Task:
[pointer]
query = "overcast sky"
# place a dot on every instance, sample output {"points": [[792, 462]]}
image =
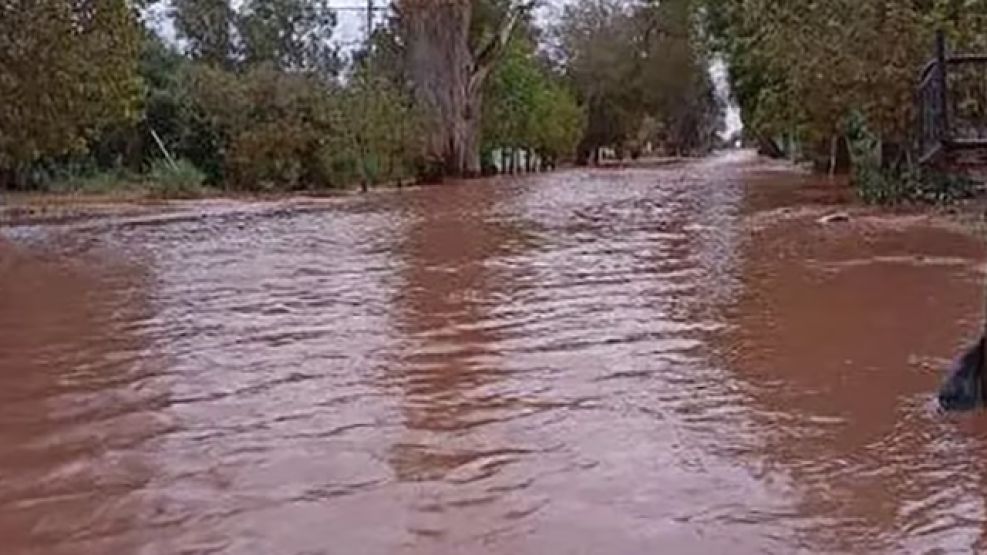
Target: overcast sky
{"points": [[352, 20], [350, 31]]}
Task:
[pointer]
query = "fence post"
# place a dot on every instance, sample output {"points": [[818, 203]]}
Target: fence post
{"points": [[943, 93]]}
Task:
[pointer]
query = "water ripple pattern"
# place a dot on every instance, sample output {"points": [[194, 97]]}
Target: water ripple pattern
{"points": [[535, 365]]}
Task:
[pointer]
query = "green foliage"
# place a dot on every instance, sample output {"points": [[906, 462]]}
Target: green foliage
{"points": [[180, 179], [881, 183], [250, 97], [595, 38], [917, 185], [269, 127], [289, 34], [561, 121], [163, 179], [801, 67], [68, 70], [874, 185], [277, 130], [206, 27], [384, 129], [526, 106], [88, 181], [632, 63]]}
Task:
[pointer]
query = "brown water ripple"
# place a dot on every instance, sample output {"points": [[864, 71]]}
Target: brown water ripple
{"points": [[580, 362]]}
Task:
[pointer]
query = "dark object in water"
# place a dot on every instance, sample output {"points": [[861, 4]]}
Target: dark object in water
{"points": [[964, 385]]}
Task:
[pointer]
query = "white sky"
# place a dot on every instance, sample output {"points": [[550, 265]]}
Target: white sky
{"points": [[350, 30], [718, 71], [352, 23]]}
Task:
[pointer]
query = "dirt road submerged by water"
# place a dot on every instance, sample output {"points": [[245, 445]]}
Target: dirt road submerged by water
{"points": [[676, 358]]}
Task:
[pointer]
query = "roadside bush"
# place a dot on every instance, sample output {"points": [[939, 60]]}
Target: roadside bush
{"points": [[181, 180], [878, 183], [275, 129], [916, 185], [99, 183], [383, 130], [289, 131], [84, 178], [940, 188], [911, 185]]}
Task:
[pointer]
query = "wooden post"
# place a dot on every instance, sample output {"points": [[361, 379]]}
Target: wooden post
{"points": [[943, 92], [983, 357], [164, 150], [832, 155]]}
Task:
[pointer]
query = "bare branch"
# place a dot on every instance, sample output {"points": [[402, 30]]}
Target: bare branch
{"points": [[489, 53]]}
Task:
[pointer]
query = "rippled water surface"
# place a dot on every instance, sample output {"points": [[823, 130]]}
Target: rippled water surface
{"points": [[624, 361]]}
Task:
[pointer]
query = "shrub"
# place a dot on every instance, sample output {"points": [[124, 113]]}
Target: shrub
{"points": [[902, 182], [74, 177], [179, 180]]}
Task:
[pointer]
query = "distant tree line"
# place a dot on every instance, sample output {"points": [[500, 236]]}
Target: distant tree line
{"points": [[641, 70], [256, 96]]}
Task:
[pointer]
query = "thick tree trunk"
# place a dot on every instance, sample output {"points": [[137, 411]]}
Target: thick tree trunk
{"points": [[582, 155], [448, 77], [439, 63], [468, 162], [6, 179]]}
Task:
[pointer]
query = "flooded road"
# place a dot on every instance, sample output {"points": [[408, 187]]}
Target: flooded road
{"points": [[675, 359]]}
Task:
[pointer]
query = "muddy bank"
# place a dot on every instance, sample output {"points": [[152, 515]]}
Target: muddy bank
{"points": [[55, 209], [23, 209]]}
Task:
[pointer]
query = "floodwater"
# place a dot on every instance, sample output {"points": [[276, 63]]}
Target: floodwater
{"points": [[674, 359]]}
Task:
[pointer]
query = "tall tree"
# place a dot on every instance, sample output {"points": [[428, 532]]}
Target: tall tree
{"points": [[595, 42], [448, 71], [206, 26], [67, 70], [290, 34], [635, 64], [672, 74]]}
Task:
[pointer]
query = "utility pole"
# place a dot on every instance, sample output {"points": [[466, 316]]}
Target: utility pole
{"points": [[364, 183], [370, 23]]}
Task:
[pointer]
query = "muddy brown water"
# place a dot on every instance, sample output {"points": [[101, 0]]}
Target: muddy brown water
{"points": [[674, 359]]}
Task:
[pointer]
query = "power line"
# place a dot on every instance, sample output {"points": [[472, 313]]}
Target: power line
{"points": [[370, 23], [358, 8]]}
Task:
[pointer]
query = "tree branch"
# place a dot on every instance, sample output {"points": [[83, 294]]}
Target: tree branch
{"points": [[489, 53]]}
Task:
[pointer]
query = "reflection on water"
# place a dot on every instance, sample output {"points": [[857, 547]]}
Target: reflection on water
{"points": [[75, 422], [840, 335], [588, 361]]}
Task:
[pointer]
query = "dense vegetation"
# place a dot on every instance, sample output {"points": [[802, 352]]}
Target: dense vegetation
{"points": [[642, 74], [813, 77], [255, 95]]}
